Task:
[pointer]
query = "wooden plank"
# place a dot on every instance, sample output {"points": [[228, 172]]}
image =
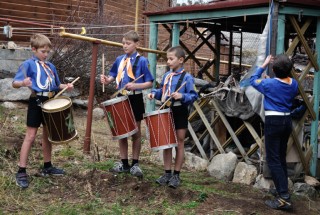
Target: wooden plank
{"points": [[229, 140], [207, 124], [304, 43], [253, 133], [295, 41], [196, 141], [300, 153], [304, 96], [231, 132]]}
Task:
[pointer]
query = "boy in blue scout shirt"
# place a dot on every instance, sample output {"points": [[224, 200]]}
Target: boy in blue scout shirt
{"points": [[279, 93], [42, 78], [179, 106], [125, 69]]}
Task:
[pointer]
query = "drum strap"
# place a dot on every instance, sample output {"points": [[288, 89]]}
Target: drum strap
{"points": [[178, 85], [134, 67]]}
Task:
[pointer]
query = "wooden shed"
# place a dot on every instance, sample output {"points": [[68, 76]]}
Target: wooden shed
{"points": [[293, 22]]}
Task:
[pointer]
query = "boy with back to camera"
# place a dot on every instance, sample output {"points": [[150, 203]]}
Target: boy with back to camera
{"points": [[125, 69], [42, 78], [179, 106], [279, 93]]}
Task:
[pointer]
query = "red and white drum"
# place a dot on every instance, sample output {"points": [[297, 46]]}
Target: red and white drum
{"points": [[58, 117], [161, 129], [120, 117]]}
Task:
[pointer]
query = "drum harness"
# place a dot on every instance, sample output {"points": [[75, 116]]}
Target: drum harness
{"points": [[134, 69], [177, 87]]}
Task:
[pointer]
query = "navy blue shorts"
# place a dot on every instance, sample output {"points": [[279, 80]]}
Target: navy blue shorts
{"points": [[34, 114], [137, 106], [180, 116]]}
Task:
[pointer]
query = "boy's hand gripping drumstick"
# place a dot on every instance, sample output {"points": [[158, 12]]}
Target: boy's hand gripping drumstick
{"points": [[102, 70], [116, 93], [164, 104], [64, 89]]}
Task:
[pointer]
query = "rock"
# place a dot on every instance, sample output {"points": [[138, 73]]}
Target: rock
{"points": [[222, 166], [9, 105], [263, 183], [303, 189], [311, 181], [194, 162], [244, 173], [8, 93], [98, 113]]}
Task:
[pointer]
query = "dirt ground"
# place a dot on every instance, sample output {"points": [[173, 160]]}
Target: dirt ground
{"points": [[88, 180]]}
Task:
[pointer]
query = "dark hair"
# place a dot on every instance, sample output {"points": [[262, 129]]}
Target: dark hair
{"points": [[282, 66], [178, 50], [131, 35]]}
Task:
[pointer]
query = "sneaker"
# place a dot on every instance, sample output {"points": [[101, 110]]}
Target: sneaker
{"points": [[52, 171], [136, 171], [174, 181], [22, 180], [164, 179], [118, 168], [279, 204]]}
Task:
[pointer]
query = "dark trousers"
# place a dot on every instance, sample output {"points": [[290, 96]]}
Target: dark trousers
{"points": [[277, 132]]}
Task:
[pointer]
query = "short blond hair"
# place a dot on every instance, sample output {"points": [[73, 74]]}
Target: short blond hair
{"points": [[40, 41], [132, 35]]}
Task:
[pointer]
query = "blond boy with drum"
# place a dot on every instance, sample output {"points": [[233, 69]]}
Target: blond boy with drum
{"points": [[42, 78]]}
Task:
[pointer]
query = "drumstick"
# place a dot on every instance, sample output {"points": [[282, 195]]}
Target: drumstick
{"points": [[171, 96], [102, 70], [116, 93], [64, 89]]}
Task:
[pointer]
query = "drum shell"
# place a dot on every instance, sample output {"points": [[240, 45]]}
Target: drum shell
{"points": [[59, 122], [120, 117], [161, 128]]}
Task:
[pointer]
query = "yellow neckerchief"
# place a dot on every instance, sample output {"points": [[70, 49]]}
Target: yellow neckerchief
{"points": [[166, 89]]}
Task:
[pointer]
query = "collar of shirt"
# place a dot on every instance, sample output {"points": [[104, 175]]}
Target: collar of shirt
{"points": [[133, 56], [178, 70]]}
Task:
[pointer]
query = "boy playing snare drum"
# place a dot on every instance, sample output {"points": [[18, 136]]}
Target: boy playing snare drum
{"points": [[125, 69], [171, 82], [42, 78]]}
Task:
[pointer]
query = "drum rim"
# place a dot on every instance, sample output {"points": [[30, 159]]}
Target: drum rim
{"points": [[155, 112], [168, 146], [114, 100], [63, 141], [57, 109], [130, 133]]}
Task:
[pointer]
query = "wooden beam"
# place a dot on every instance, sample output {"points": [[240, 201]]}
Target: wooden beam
{"points": [[196, 141]]}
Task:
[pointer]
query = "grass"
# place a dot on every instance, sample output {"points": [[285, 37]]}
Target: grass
{"points": [[88, 187]]}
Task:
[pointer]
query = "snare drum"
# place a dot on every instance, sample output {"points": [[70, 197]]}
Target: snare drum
{"points": [[58, 117], [161, 129], [120, 117]]}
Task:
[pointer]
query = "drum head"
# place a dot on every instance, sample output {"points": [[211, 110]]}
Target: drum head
{"points": [[57, 103], [114, 100]]}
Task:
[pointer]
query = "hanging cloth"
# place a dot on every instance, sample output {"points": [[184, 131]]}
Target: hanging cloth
{"points": [[166, 89]]}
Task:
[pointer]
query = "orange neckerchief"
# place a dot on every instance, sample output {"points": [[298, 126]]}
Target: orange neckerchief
{"points": [[47, 69], [285, 80], [167, 85], [124, 63]]}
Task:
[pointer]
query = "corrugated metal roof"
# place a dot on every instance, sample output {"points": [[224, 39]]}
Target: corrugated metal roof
{"points": [[232, 4]]}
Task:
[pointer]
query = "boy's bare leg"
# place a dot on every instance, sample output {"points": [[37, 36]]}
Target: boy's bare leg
{"points": [[181, 133], [46, 146], [26, 145], [167, 158], [123, 146], [136, 143]]}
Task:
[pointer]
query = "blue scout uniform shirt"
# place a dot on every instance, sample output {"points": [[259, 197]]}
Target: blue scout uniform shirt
{"points": [[278, 96], [142, 68], [39, 77], [189, 95]]}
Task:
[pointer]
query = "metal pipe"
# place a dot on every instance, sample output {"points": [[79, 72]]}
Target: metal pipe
{"points": [[110, 43], [87, 139]]}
